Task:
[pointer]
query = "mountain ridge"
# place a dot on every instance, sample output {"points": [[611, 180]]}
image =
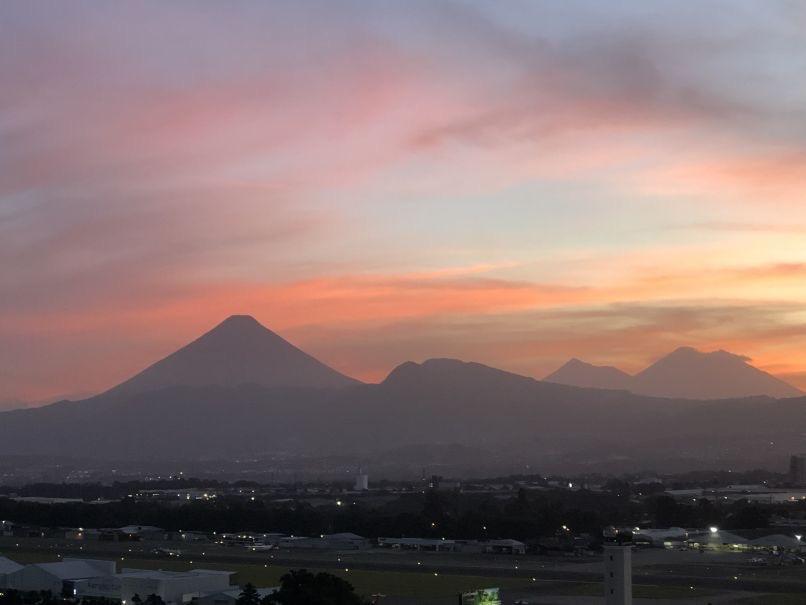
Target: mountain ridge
{"points": [[235, 410], [684, 373], [579, 373]]}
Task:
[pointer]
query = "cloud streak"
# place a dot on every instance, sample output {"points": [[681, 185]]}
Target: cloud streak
{"points": [[350, 168]]}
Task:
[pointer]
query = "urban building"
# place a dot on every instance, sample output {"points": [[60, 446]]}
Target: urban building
{"points": [[340, 541], [618, 573], [175, 587], [797, 469], [509, 547], [361, 482], [59, 577], [434, 544], [7, 566], [95, 578]]}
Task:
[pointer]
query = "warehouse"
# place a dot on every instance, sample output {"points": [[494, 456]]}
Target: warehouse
{"points": [[57, 577], [173, 587]]}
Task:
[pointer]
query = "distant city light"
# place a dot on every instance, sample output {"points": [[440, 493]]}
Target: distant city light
{"points": [[713, 529]]}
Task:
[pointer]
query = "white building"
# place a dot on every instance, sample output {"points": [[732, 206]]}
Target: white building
{"points": [[362, 482], [95, 578], [618, 574], [7, 566], [779, 542], [58, 576], [717, 539], [174, 587]]}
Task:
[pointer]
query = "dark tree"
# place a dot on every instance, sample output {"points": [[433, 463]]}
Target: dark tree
{"points": [[747, 517], [154, 599], [666, 512], [136, 600], [301, 587], [248, 596]]}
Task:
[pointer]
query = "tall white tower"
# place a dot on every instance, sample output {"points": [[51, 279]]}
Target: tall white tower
{"points": [[361, 482], [618, 573]]}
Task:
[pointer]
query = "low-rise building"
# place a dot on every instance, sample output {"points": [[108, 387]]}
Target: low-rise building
{"points": [[7, 566], [508, 546], [96, 578], [340, 541], [435, 544], [669, 536], [173, 587], [58, 577], [717, 539]]}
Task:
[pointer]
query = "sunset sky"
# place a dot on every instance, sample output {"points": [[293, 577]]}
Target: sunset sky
{"points": [[513, 183]]}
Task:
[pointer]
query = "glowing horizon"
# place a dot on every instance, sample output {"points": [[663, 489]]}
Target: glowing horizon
{"points": [[514, 184]]}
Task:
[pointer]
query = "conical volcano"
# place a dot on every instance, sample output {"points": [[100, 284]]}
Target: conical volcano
{"points": [[237, 351]]}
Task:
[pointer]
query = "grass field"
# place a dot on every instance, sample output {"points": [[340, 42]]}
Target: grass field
{"points": [[404, 584], [392, 583]]}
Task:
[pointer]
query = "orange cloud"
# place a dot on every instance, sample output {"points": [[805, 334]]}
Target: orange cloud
{"points": [[460, 311], [765, 177]]}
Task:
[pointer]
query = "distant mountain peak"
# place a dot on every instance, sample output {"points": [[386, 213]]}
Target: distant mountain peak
{"points": [[577, 362], [693, 374], [686, 373], [240, 320], [239, 350], [578, 373], [693, 353]]}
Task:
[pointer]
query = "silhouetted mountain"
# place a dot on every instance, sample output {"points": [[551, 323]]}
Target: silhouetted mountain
{"points": [[237, 351], [438, 402], [241, 390], [581, 374], [692, 374], [451, 375], [685, 373]]}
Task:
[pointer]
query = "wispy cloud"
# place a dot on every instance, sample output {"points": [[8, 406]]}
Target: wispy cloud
{"points": [[360, 167]]}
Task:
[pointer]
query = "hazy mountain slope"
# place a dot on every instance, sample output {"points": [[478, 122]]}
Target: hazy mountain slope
{"points": [[13, 404], [685, 373], [242, 390], [439, 401], [689, 373], [237, 351], [581, 374]]}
